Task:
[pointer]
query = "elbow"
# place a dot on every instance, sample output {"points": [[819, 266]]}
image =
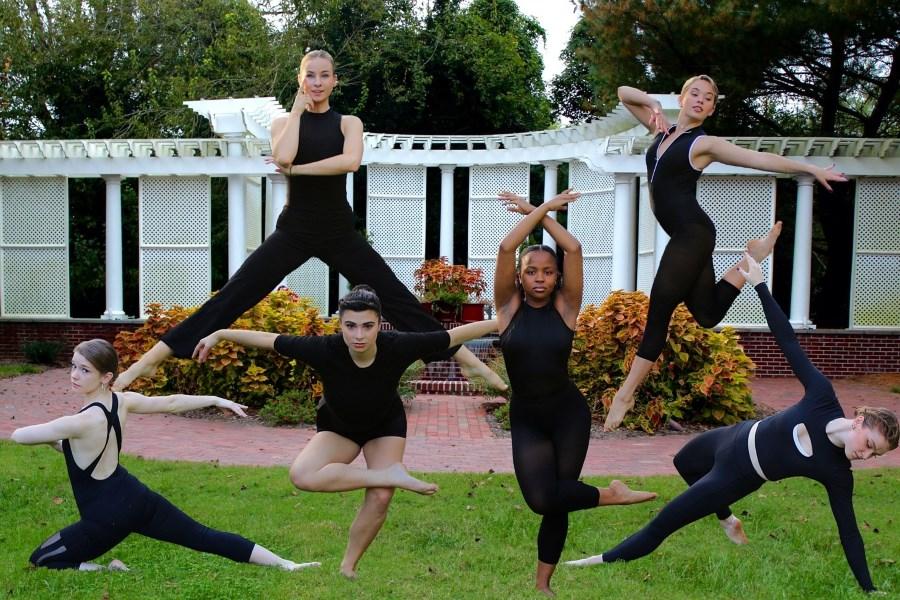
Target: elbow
{"points": [[574, 249], [354, 164], [621, 91]]}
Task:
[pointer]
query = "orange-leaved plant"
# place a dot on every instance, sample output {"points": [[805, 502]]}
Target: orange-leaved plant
{"points": [[439, 281]]}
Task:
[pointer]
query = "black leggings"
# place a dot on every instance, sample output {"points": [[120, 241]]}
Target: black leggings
{"points": [[549, 444], [686, 275], [148, 514], [716, 465], [282, 252]]}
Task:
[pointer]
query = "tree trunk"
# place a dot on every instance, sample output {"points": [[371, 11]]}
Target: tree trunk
{"points": [[832, 93]]}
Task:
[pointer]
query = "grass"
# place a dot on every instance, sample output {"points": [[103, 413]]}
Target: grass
{"points": [[16, 369], [475, 539]]}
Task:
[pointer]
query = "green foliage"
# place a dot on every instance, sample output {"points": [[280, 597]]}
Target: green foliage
{"points": [[42, 352], [501, 413], [248, 375], [290, 408], [16, 369], [701, 377], [406, 389]]}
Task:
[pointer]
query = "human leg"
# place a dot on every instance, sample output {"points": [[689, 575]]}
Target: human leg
{"points": [[73, 547], [380, 453]]}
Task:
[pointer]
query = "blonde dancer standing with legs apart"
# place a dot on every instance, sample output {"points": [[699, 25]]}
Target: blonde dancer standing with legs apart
{"points": [[675, 161]]}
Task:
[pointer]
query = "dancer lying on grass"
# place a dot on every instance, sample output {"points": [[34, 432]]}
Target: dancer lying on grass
{"points": [[675, 161], [112, 502], [810, 439], [537, 308], [360, 369]]}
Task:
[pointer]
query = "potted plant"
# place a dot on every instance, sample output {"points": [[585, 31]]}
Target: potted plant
{"points": [[445, 289]]}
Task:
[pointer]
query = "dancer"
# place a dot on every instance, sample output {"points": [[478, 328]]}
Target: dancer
{"points": [[810, 439], [315, 147], [112, 502], [360, 369], [537, 309], [675, 161]]}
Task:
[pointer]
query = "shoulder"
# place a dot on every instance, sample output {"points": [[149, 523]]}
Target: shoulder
{"points": [[351, 123]]}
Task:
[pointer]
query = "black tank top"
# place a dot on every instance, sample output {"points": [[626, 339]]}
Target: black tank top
{"points": [[673, 182], [319, 202], [536, 346]]}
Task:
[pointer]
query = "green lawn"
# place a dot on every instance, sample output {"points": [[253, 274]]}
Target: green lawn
{"points": [[16, 369], [474, 539]]}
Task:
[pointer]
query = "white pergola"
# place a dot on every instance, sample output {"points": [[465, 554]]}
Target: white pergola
{"points": [[622, 242]]}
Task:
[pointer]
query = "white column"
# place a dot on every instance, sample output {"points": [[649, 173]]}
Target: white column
{"points": [[343, 284], [446, 232], [800, 280], [624, 223], [237, 240], [114, 285], [551, 169]]}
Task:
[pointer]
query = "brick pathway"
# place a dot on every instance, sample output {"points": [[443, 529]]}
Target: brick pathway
{"points": [[446, 433]]}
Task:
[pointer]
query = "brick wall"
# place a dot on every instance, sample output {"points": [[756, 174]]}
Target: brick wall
{"points": [[836, 353], [70, 332]]}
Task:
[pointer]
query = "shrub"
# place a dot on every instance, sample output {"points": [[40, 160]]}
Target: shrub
{"points": [[247, 375], [42, 352], [290, 408], [407, 388], [701, 376]]}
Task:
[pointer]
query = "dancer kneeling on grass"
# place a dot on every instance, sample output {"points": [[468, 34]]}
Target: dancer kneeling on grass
{"points": [[112, 502], [675, 162], [537, 309], [360, 369], [810, 439]]}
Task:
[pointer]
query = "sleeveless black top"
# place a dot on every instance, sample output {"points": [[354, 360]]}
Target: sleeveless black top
{"points": [[319, 202], [673, 182], [536, 346]]}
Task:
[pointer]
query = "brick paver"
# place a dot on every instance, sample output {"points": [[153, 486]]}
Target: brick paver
{"points": [[446, 433]]}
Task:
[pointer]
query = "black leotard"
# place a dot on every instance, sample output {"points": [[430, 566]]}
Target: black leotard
{"points": [[717, 464], [118, 505], [362, 398], [685, 272], [550, 422]]}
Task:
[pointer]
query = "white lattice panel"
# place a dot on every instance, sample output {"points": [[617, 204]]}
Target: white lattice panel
{"points": [[253, 218], [395, 180], [875, 292], [597, 279], [487, 266], [591, 220], [403, 268], [646, 242], [746, 309], [396, 226], [489, 223], [486, 182], [310, 280], [584, 179], [174, 233], [742, 208], [874, 295], [34, 253]]}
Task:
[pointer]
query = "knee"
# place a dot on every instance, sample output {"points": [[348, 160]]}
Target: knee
{"points": [[379, 499], [705, 319], [541, 503], [304, 479]]}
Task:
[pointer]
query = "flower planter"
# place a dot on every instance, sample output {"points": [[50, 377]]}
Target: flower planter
{"points": [[442, 311], [471, 312]]}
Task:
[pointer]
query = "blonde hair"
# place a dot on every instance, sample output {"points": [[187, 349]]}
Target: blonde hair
{"points": [[707, 79], [883, 420], [316, 54]]}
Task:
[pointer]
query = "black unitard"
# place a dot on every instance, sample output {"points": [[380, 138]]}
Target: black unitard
{"points": [[362, 403], [717, 464], [114, 507], [550, 422], [685, 271], [317, 222]]}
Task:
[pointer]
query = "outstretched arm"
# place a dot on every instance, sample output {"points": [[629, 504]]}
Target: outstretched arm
{"points": [[471, 331], [176, 403], [51, 432], [644, 108], [781, 328], [244, 337], [841, 500]]}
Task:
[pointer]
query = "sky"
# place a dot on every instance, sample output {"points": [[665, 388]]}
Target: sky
{"points": [[557, 17]]}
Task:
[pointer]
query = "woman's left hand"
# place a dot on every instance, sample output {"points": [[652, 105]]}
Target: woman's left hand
{"points": [[561, 200], [283, 168], [225, 405], [515, 203]]}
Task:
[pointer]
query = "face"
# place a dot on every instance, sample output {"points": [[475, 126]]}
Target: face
{"points": [[84, 377], [864, 442], [317, 78], [359, 329], [538, 275], [699, 100]]}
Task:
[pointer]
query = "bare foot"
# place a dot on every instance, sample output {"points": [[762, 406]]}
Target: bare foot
{"points": [[292, 566], [585, 562], [619, 493], [761, 248], [734, 529], [621, 404], [545, 590], [348, 572], [479, 370], [399, 477], [117, 565]]}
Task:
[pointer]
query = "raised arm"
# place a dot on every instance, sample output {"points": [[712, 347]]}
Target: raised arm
{"points": [[286, 131], [708, 149], [51, 432], [176, 403], [644, 108], [347, 161], [471, 331], [244, 337], [841, 499], [781, 328]]}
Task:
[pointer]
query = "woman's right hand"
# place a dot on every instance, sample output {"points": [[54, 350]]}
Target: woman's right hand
{"points": [[658, 121], [302, 101], [204, 346], [753, 274], [561, 200]]}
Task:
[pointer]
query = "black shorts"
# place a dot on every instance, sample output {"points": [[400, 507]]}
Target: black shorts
{"points": [[393, 424]]}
